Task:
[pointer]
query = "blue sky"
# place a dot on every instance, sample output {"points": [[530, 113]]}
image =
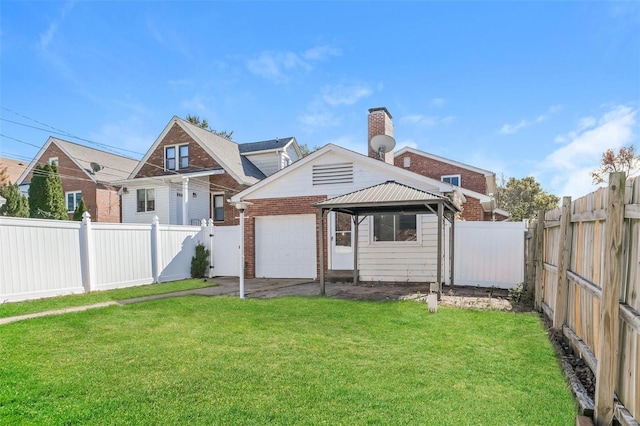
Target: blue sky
{"points": [[519, 88]]}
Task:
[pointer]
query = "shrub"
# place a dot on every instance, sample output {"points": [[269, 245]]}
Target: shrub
{"points": [[200, 262]]}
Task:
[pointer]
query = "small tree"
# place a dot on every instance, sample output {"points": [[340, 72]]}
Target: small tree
{"points": [[625, 161], [305, 150], [200, 262], [523, 198], [80, 209], [46, 198], [194, 119], [16, 205]]}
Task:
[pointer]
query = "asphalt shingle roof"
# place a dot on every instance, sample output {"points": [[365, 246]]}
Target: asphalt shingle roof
{"points": [[264, 145]]}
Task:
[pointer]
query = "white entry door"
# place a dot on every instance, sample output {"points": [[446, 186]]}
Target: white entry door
{"points": [[341, 236], [286, 246]]}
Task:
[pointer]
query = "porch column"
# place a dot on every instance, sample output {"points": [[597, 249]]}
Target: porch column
{"points": [[185, 201], [452, 251]]}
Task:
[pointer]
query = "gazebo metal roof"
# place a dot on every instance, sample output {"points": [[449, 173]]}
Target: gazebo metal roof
{"points": [[389, 197]]}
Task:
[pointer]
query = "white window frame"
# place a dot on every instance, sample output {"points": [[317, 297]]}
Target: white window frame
{"points": [[54, 161], [76, 201], [213, 206], [146, 200], [177, 159], [443, 177], [417, 242], [406, 161]]}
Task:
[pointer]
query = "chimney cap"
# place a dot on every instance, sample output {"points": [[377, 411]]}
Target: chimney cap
{"points": [[380, 109]]}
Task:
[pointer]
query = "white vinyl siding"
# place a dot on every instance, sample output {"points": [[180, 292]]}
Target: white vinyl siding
{"points": [[266, 162], [130, 209], [394, 262]]}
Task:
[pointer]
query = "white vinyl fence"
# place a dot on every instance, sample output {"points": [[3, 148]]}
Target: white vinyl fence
{"points": [[489, 254], [43, 258]]}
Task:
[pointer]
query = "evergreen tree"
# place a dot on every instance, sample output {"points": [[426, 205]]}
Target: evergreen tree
{"points": [[17, 204], [46, 198], [4, 176], [194, 119], [80, 209]]}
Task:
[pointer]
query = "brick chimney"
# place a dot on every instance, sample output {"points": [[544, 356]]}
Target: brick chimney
{"points": [[379, 123]]}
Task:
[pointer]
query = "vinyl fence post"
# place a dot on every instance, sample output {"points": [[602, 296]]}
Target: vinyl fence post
{"points": [[209, 233], [156, 257], [606, 371], [88, 255]]}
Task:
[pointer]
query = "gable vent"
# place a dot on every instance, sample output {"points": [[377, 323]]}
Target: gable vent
{"points": [[329, 174]]}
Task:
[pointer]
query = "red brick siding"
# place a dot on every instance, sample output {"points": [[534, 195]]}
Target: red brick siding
{"points": [[472, 210], [436, 169], [274, 207], [226, 185], [198, 157], [108, 204], [75, 179]]}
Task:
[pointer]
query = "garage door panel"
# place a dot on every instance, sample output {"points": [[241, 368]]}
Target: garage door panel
{"points": [[286, 246]]}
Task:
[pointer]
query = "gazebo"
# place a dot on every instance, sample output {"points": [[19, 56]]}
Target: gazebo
{"points": [[389, 197]]}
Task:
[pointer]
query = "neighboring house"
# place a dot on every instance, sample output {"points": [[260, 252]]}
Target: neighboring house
{"points": [[478, 185], [86, 173], [14, 170], [189, 173]]}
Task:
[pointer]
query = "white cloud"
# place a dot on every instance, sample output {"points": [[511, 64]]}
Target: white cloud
{"points": [[345, 95], [194, 104], [407, 143], [356, 144], [278, 65], [438, 102], [321, 52], [275, 65], [426, 120], [509, 129], [52, 29], [568, 167], [318, 119]]}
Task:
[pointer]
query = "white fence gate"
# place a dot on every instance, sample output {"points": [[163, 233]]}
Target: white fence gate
{"points": [[489, 254], [43, 258]]}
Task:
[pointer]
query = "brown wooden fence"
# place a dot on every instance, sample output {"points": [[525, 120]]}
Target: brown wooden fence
{"points": [[584, 266]]}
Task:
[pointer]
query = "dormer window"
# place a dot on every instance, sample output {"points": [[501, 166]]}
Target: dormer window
{"points": [[176, 157]]}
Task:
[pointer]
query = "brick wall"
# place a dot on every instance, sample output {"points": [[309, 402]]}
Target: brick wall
{"points": [[379, 123], [226, 185], [108, 204], [436, 169], [274, 207], [472, 210], [73, 179], [198, 157]]}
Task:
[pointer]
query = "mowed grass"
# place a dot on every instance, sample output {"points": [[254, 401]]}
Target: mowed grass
{"points": [[40, 305], [200, 360]]}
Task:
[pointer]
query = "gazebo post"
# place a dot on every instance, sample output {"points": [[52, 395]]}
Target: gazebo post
{"points": [[321, 241], [355, 249], [451, 248], [439, 265]]}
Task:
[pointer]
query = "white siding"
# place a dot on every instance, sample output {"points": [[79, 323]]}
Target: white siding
{"points": [[199, 206], [299, 182], [267, 162], [399, 262], [129, 205]]}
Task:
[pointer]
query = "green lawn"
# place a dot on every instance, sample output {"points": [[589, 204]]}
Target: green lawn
{"points": [[221, 360], [40, 305]]}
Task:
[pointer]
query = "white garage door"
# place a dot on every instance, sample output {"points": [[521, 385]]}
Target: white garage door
{"points": [[286, 246]]}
